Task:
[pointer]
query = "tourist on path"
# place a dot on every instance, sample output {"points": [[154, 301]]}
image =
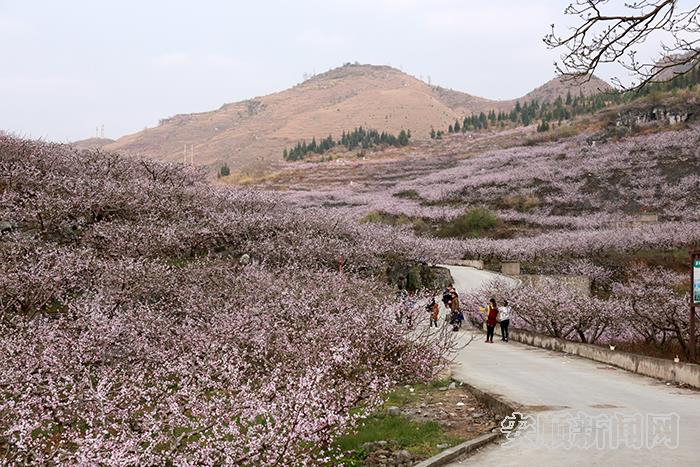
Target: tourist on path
{"points": [[456, 316], [447, 297], [434, 311], [504, 318], [491, 320], [454, 303]]}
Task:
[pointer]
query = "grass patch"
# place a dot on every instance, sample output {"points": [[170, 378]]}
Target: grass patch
{"points": [[381, 217], [404, 395], [408, 194], [418, 437], [556, 134], [520, 203], [473, 223]]}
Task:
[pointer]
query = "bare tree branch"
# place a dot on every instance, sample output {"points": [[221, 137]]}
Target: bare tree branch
{"points": [[603, 38]]}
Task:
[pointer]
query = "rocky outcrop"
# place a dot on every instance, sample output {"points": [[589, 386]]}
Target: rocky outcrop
{"points": [[413, 275], [654, 115], [630, 119]]}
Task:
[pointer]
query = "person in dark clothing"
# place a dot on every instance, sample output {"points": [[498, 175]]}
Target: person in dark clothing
{"points": [[456, 315], [447, 297], [491, 320], [434, 311]]}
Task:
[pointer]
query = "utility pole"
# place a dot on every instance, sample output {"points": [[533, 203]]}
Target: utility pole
{"points": [[102, 131], [694, 300], [184, 153], [192, 154]]}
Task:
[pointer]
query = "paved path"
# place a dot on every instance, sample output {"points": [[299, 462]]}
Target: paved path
{"points": [[584, 401]]}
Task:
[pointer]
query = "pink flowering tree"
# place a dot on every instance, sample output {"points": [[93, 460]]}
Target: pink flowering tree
{"points": [[131, 334], [550, 307], [655, 302]]}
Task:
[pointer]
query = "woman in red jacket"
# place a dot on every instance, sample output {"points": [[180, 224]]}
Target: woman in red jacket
{"points": [[491, 320]]}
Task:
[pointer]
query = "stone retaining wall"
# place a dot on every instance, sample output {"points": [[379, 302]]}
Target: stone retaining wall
{"points": [[667, 370], [470, 263], [579, 284]]}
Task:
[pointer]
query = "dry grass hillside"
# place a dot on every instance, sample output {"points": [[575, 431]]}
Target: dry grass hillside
{"points": [[253, 133], [560, 86]]}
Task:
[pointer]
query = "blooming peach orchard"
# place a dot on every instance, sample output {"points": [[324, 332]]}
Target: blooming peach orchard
{"points": [[130, 334], [645, 308], [577, 198], [574, 204]]}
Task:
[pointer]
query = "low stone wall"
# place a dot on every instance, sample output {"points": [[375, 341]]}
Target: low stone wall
{"points": [[580, 284], [637, 221], [470, 263], [510, 268], [667, 370]]}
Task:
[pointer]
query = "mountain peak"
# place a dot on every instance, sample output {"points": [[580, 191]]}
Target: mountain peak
{"points": [[255, 131], [560, 85], [354, 70]]}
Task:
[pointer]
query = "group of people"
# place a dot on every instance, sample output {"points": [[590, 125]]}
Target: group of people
{"points": [[494, 314], [450, 298], [497, 315]]}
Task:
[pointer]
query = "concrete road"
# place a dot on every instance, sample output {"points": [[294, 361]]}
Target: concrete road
{"points": [[468, 279], [583, 413]]}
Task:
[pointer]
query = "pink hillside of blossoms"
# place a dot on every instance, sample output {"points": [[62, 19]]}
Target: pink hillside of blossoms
{"points": [[131, 335], [577, 199], [576, 208], [555, 184]]}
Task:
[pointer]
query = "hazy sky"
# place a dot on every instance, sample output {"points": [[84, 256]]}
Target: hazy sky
{"points": [[68, 66]]}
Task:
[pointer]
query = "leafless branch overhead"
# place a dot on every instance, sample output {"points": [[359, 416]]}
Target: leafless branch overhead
{"points": [[603, 37]]}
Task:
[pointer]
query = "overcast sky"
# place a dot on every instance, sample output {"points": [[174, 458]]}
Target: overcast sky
{"points": [[68, 66]]}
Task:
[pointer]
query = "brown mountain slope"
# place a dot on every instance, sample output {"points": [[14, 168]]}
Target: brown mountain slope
{"points": [[560, 86], [254, 132]]}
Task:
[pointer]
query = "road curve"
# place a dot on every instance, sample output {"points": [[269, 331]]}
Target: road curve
{"points": [[585, 413]]}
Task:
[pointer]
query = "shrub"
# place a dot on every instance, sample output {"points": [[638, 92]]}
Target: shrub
{"points": [[473, 223]]}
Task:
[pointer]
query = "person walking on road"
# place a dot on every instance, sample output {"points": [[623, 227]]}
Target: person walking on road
{"points": [[456, 316], [447, 297], [434, 311], [454, 303], [504, 318], [491, 320]]}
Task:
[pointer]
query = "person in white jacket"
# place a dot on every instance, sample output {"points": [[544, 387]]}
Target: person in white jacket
{"points": [[504, 318]]}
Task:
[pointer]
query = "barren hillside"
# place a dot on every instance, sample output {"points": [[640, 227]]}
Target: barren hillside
{"points": [[560, 86], [254, 132]]}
